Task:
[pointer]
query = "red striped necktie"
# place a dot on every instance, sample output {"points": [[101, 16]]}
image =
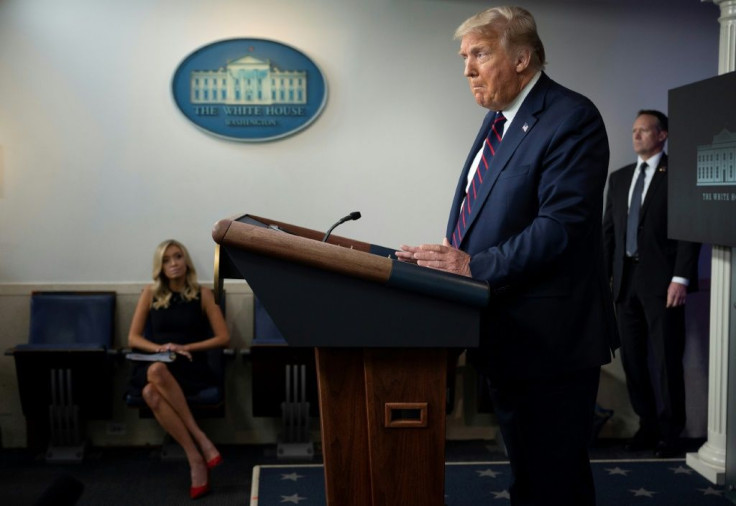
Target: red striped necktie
{"points": [[489, 149]]}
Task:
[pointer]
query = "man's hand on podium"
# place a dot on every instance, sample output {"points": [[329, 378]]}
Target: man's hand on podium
{"points": [[437, 256]]}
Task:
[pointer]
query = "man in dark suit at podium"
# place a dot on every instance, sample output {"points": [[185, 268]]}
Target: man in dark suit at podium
{"points": [[651, 277], [526, 218]]}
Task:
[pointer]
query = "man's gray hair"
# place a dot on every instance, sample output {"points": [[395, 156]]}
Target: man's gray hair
{"points": [[514, 26]]}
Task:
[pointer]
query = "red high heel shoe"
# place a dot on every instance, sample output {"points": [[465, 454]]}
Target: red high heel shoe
{"points": [[214, 462], [197, 492]]}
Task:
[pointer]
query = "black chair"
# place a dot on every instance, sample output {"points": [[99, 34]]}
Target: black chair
{"points": [[65, 370], [278, 367]]}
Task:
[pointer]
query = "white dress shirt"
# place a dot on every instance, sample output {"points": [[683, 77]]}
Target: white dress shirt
{"points": [[652, 164]]}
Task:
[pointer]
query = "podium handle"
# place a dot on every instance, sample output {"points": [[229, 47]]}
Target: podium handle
{"points": [[405, 415]]}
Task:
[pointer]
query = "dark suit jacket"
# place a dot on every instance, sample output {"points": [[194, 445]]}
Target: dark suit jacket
{"points": [[535, 236], [660, 257]]}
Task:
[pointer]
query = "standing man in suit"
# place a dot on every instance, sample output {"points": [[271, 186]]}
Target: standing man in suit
{"points": [[526, 219], [651, 277]]}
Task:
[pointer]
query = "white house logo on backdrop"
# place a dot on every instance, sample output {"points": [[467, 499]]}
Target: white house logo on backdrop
{"points": [[250, 90], [717, 161]]}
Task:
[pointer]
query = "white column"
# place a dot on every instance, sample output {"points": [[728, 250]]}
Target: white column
{"points": [[710, 460], [727, 45]]}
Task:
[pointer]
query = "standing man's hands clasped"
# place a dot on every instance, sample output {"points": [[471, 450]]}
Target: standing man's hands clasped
{"points": [[437, 256]]}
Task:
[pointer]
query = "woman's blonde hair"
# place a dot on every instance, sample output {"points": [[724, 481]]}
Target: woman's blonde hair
{"points": [[161, 290]]}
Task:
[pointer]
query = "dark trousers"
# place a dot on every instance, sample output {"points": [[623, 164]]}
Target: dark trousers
{"points": [[652, 347], [546, 425]]}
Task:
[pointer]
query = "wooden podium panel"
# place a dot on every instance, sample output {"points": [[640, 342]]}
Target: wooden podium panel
{"points": [[383, 425], [407, 450], [343, 420]]}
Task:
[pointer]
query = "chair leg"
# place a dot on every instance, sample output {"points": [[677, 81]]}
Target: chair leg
{"points": [[65, 436], [294, 441]]}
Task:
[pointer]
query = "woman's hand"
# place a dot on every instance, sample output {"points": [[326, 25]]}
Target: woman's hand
{"points": [[184, 353], [176, 348]]}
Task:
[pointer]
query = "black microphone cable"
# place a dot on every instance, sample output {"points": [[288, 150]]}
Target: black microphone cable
{"points": [[355, 215]]}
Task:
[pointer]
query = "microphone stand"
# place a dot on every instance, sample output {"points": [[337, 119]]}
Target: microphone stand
{"points": [[355, 215]]}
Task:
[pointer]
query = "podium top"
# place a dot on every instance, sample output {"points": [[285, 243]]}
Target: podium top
{"points": [[346, 257]]}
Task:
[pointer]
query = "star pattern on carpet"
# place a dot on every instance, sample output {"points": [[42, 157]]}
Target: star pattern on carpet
{"points": [[711, 491], [503, 494], [642, 492], [681, 470], [294, 498], [618, 482]]}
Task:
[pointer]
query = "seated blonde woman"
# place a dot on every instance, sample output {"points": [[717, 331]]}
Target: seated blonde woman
{"points": [[184, 319]]}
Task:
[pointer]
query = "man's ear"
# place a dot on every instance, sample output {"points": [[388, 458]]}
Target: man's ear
{"points": [[523, 58]]}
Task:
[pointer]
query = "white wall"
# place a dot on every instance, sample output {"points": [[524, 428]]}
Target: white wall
{"points": [[97, 165]]}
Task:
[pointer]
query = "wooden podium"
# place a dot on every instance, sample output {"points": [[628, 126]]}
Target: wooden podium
{"points": [[381, 329]]}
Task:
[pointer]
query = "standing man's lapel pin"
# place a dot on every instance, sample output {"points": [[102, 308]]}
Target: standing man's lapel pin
{"points": [[525, 127]]}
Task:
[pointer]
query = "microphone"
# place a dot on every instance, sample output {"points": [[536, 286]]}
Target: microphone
{"points": [[355, 215]]}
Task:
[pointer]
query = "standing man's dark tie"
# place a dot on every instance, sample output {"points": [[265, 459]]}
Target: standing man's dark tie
{"points": [[489, 150], [632, 224]]}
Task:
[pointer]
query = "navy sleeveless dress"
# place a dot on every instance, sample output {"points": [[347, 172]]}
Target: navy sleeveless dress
{"points": [[183, 322]]}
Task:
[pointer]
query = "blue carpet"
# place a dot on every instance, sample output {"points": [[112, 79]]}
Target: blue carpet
{"points": [[618, 483]]}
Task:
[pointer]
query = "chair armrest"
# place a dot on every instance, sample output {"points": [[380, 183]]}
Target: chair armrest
{"points": [[53, 347], [119, 354]]}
